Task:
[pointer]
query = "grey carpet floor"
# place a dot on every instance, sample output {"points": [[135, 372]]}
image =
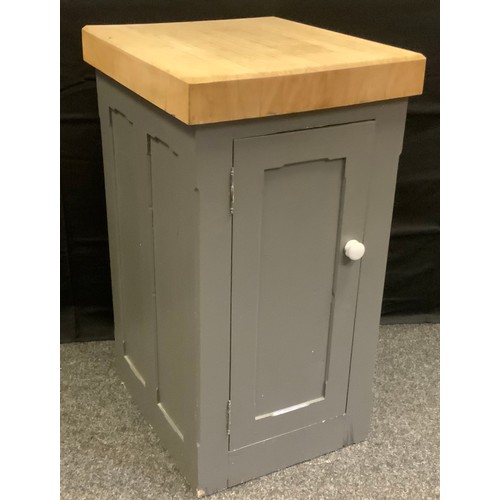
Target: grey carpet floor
{"points": [[109, 452]]}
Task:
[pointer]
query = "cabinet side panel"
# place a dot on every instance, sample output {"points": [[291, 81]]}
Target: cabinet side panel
{"points": [[161, 149], [130, 241], [135, 247], [174, 244], [391, 117]]}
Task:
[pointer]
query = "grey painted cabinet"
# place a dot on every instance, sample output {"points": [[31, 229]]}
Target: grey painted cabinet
{"points": [[250, 168], [244, 333]]}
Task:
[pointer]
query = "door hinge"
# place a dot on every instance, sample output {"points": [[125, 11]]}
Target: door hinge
{"points": [[228, 417], [231, 191]]}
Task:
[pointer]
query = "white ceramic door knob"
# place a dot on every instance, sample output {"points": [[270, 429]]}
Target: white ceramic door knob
{"points": [[354, 249]]}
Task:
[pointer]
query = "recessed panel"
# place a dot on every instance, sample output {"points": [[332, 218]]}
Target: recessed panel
{"points": [[173, 264], [135, 234], [300, 216]]}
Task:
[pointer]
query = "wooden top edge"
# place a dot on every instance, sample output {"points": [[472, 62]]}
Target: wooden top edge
{"points": [[201, 74]]}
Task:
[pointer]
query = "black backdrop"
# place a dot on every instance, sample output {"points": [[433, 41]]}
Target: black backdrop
{"points": [[412, 282]]}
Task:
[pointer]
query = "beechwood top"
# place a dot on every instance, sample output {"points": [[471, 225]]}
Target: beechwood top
{"points": [[214, 71]]}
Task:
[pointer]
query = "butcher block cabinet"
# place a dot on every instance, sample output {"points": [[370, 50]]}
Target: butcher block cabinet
{"points": [[250, 168]]}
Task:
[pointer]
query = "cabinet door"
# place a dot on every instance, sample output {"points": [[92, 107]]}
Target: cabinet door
{"points": [[299, 197]]}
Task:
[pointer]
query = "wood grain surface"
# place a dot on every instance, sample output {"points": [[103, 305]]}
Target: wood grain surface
{"points": [[222, 70]]}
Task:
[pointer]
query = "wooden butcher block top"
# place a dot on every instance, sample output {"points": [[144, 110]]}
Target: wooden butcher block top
{"points": [[213, 71]]}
